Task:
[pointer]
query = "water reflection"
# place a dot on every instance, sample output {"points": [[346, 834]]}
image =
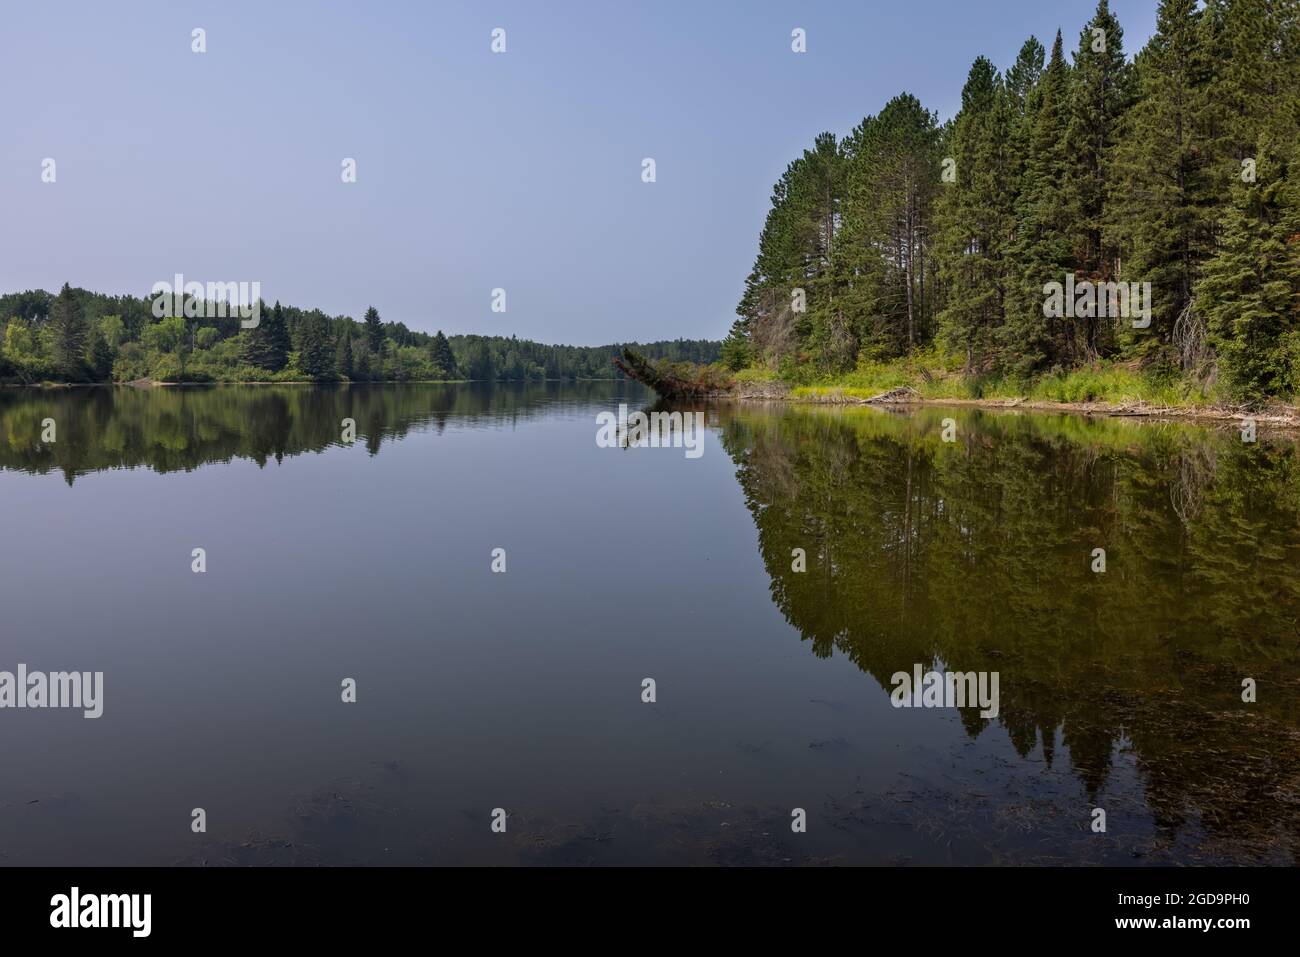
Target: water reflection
{"points": [[1120, 689], [170, 429], [977, 555]]}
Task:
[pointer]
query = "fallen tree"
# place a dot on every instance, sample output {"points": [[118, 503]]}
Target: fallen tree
{"points": [[904, 393], [673, 379]]}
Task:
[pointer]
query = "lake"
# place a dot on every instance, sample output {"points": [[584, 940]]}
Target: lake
{"points": [[325, 560]]}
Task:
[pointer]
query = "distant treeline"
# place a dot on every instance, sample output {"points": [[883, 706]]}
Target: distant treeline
{"points": [[83, 336], [1179, 168]]}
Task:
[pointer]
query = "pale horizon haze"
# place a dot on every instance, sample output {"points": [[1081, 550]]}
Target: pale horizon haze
{"points": [[475, 170]]}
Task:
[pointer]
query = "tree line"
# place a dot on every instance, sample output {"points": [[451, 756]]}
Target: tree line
{"points": [[1179, 167], [83, 336]]}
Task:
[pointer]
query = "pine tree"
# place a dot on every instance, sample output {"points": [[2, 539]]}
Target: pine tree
{"points": [[1255, 87], [975, 215], [1022, 90], [374, 331], [826, 330], [1105, 171], [480, 362], [1102, 94], [1045, 220], [1250, 291], [768, 305], [1023, 93], [1022, 77], [441, 357], [278, 340], [892, 170], [747, 309], [68, 335], [254, 351], [737, 352], [343, 354], [266, 345], [99, 355], [316, 351], [790, 298], [1163, 194]]}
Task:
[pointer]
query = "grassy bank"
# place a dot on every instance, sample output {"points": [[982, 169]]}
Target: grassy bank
{"points": [[932, 377]]}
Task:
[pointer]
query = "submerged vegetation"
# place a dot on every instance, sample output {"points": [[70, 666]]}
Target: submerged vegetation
{"points": [[917, 252]]}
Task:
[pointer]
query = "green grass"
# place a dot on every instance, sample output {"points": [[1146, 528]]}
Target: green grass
{"points": [[935, 376], [754, 375], [1120, 384]]}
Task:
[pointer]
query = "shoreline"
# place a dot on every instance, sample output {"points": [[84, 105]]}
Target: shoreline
{"points": [[685, 384], [1278, 416]]}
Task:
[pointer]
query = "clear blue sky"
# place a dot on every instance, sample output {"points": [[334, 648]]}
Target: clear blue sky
{"points": [[475, 170]]}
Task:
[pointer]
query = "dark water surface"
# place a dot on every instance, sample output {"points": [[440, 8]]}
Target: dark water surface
{"points": [[1119, 691]]}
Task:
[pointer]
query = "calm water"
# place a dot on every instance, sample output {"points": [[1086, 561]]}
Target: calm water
{"points": [[522, 690]]}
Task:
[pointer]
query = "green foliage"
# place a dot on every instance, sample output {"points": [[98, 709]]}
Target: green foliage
{"points": [[22, 353], [315, 349], [1103, 90], [167, 335], [67, 336], [207, 337], [343, 356], [736, 350], [1250, 290], [267, 345], [934, 374], [113, 331], [99, 354], [374, 331], [130, 363], [1045, 214], [907, 234], [892, 168], [442, 358], [119, 338], [975, 211]]}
